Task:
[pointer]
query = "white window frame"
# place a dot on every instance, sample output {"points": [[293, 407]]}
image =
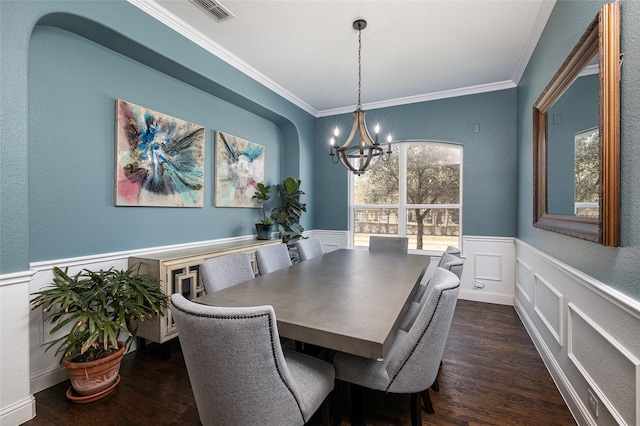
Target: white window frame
{"points": [[402, 207]]}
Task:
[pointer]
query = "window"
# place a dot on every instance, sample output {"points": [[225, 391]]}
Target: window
{"points": [[417, 194], [587, 173]]}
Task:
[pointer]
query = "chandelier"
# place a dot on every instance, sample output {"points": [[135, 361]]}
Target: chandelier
{"points": [[366, 152]]}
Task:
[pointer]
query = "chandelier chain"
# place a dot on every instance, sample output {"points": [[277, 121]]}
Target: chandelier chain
{"points": [[359, 66]]}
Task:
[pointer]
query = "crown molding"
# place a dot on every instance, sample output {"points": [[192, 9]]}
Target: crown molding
{"points": [[546, 7], [463, 91], [158, 12]]}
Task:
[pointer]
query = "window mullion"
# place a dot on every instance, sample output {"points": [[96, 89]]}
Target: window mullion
{"points": [[402, 192]]}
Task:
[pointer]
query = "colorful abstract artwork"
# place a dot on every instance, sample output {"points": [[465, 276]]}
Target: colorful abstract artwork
{"points": [[159, 159], [239, 168]]}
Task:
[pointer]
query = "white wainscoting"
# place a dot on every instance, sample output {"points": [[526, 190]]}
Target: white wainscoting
{"points": [[331, 240], [17, 404], [587, 334], [489, 261]]}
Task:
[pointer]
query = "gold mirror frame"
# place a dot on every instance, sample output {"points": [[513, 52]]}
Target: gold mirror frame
{"points": [[603, 37]]}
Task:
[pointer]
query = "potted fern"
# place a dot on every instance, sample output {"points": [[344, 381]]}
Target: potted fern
{"points": [[92, 310], [265, 226]]}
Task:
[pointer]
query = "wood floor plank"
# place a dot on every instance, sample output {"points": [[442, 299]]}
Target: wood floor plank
{"points": [[491, 375]]}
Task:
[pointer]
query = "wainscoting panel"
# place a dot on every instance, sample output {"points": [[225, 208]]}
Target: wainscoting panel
{"points": [[488, 266], [524, 279], [489, 273], [331, 240], [598, 368], [615, 385], [548, 305], [17, 404]]}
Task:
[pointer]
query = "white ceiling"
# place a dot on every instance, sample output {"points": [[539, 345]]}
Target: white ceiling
{"points": [[411, 50]]}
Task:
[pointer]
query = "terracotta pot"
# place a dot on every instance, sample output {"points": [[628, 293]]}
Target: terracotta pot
{"points": [[92, 377]]}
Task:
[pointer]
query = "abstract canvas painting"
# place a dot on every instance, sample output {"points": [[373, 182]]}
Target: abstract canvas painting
{"points": [[239, 168], [159, 159]]}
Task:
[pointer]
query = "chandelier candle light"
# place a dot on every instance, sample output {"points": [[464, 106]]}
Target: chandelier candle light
{"points": [[366, 148]]}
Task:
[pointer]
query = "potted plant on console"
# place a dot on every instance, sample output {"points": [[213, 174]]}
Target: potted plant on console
{"points": [[92, 310], [287, 215], [265, 226]]}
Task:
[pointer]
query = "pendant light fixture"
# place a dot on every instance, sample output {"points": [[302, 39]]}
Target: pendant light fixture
{"points": [[366, 152]]}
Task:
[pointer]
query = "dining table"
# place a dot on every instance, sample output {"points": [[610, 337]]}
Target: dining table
{"points": [[350, 300]]}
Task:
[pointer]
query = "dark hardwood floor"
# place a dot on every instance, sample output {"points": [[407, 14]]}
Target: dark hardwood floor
{"points": [[491, 375]]}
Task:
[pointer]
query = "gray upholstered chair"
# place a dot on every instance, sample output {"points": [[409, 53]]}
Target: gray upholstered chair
{"points": [[450, 255], [453, 264], [238, 371], [309, 248], [452, 250], [412, 363], [388, 244], [224, 271], [272, 258]]}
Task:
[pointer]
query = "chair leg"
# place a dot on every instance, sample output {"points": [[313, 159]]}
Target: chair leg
{"points": [[426, 400], [337, 402], [325, 411], [358, 411], [435, 386], [416, 410]]}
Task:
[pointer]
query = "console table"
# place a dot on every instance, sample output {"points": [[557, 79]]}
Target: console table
{"points": [[178, 272]]}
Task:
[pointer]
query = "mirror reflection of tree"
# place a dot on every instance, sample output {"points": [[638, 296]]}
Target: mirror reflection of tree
{"points": [[587, 173], [432, 201]]}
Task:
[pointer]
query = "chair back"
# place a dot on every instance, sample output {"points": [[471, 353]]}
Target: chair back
{"points": [[224, 271], [388, 244], [236, 366], [309, 248], [452, 250], [272, 258], [414, 358], [452, 263]]}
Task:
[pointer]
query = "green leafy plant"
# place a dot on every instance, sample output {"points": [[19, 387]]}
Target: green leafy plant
{"points": [[288, 214], [262, 196], [98, 306]]}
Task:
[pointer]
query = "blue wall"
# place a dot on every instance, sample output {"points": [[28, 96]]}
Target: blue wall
{"points": [[617, 267], [73, 84], [489, 163], [63, 65]]}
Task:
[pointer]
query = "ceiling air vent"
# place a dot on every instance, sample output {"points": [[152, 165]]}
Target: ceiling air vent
{"points": [[217, 11]]}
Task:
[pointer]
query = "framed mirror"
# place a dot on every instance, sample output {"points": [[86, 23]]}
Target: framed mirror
{"points": [[576, 137]]}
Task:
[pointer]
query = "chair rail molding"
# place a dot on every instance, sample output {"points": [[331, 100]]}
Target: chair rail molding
{"points": [[587, 335]]}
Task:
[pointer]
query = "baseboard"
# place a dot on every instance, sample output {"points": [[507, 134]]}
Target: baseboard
{"points": [[19, 412], [486, 297], [43, 379]]}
